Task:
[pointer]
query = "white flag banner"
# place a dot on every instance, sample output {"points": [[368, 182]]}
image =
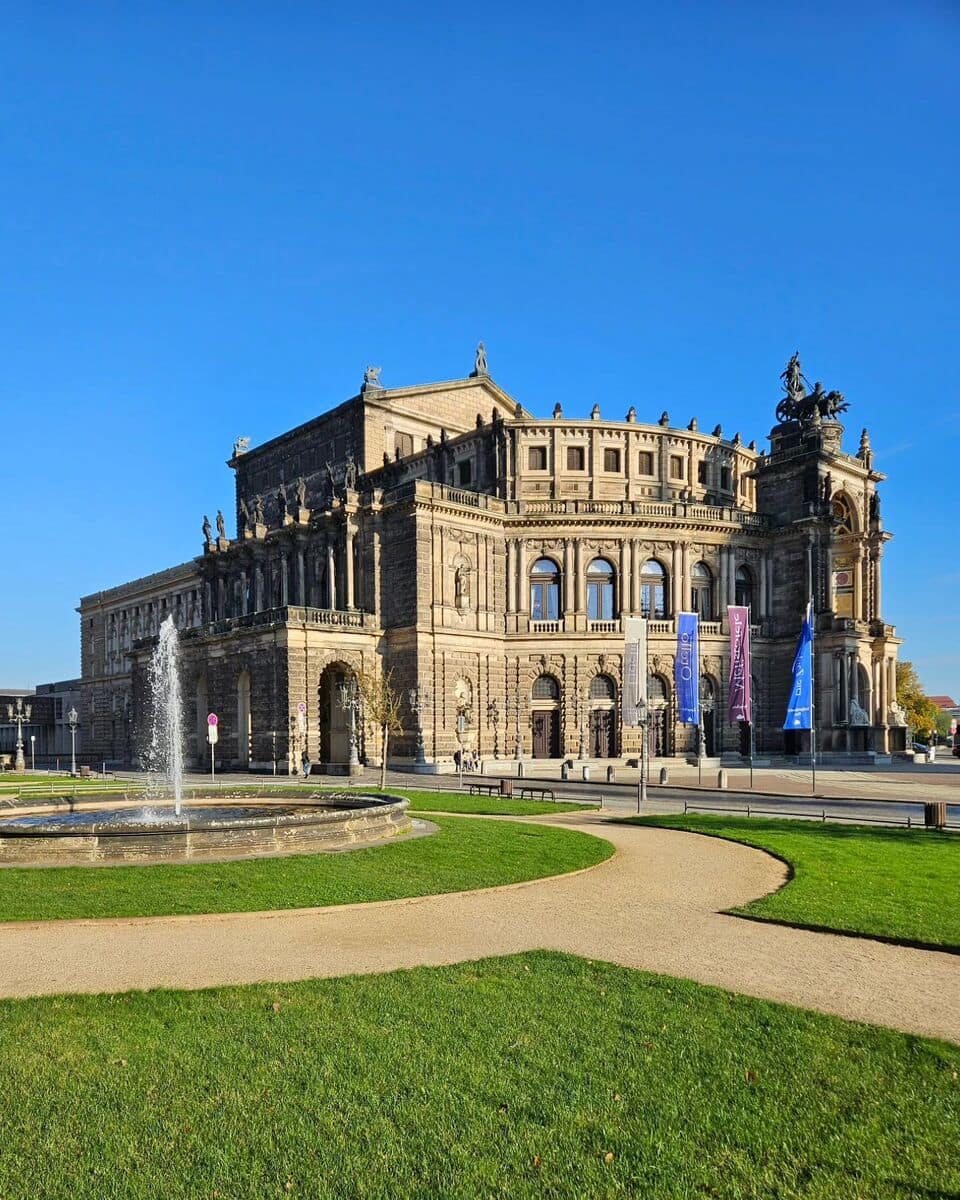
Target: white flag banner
{"points": [[634, 667]]}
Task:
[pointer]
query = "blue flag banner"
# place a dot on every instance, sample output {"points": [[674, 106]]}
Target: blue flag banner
{"points": [[688, 668], [798, 706]]}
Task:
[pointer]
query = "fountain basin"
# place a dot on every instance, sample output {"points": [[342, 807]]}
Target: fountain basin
{"points": [[216, 830]]}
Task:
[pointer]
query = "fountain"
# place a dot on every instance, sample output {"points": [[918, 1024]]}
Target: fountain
{"points": [[239, 824], [166, 728]]}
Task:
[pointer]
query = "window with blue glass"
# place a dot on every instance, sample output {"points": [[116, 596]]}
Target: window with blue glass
{"points": [[545, 590], [653, 590], [600, 591]]}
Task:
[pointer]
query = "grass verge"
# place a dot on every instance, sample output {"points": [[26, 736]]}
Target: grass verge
{"points": [[529, 1076], [502, 806], [462, 855], [897, 884]]}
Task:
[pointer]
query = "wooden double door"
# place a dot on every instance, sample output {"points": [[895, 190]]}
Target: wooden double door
{"points": [[603, 733], [546, 733]]}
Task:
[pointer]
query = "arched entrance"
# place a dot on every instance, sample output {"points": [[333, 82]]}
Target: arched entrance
{"points": [[545, 717], [337, 724], [603, 718], [660, 725], [708, 715]]}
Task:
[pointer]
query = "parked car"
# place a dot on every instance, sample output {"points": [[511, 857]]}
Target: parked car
{"points": [[919, 748]]}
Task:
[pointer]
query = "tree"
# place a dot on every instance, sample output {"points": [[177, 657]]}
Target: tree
{"points": [[381, 708], [921, 712]]}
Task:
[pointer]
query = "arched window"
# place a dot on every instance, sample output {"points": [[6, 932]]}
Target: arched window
{"points": [[653, 590], [545, 590], [744, 587], [701, 591], [602, 687], [843, 514], [600, 591], [545, 687]]}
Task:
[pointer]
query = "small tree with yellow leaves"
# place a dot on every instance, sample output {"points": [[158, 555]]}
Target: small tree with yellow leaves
{"points": [[381, 709]]}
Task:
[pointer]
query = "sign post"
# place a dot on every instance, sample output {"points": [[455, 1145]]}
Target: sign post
{"points": [[212, 735], [634, 693]]}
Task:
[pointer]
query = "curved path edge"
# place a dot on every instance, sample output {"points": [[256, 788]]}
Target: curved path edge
{"points": [[657, 905]]}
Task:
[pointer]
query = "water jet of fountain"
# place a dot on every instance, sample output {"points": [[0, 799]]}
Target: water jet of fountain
{"points": [[166, 731]]}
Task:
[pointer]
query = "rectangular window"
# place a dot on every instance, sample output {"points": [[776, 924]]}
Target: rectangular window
{"points": [[611, 461], [676, 466], [576, 458], [402, 444], [537, 458], [464, 472], [702, 472], [645, 462], [725, 478]]}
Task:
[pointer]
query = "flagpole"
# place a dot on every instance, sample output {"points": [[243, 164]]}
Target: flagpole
{"points": [[750, 643]]}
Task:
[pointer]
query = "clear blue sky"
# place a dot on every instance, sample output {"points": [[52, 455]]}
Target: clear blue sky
{"points": [[214, 216]]}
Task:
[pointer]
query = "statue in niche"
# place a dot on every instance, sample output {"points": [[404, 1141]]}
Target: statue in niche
{"points": [[245, 514], [301, 492], [898, 714], [350, 473], [258, 509], [207, 529], [461, 586], [828, 487], [875, 507], [221, 526], [282, 500]]}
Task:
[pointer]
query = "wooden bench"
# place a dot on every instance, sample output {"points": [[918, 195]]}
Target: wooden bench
{"points": [[529, 793], [484, 789]]}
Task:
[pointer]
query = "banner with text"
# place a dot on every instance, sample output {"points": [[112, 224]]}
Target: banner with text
{"points": [[801, 690], [688, 668], [634, 667], [739, 697]]}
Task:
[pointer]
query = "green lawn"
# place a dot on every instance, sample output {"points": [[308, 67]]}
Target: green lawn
{"points": [[464, 854], [539, 1075], [893, 883]]}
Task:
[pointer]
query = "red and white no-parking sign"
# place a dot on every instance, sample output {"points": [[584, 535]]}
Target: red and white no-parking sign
{"points": [[212, 722]]}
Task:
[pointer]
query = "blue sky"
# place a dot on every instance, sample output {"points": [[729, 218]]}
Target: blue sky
{"points": [[214, 216]]}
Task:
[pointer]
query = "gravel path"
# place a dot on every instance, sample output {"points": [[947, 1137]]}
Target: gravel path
{"points": [[654, 905]]}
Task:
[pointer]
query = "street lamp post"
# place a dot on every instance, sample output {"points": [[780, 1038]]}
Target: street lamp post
{"points": [[73, 720], [642, 720], [419, 698], [19, 715], [493, 716], [350, 703], [582, 752]]}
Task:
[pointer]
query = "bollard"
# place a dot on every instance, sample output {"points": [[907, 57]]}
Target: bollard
{"points": [[564, 772], [520, 770], [611, 775], [664, 775], [721, 779], [585, 774]]}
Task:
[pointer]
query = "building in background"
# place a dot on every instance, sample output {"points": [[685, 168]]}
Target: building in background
{"points": [[46, 734], [486, 558]]}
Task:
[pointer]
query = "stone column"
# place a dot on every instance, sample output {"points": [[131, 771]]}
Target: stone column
{"points": [[258, 587], [769, 565], [762, 598], [511, 586], [348, 567], [301, 578], [676, 580], [244, 607], [579, 581], [854, 677], [284, 581], [221, 598], [523, 592], [331, 575], [638, 561], [731, 575], [858, 613], [837, 689], [877, 564], [623, 588], [685, 576], [569, 580]]}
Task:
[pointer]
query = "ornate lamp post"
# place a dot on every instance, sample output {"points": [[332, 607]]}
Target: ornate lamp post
{"points": [[73, 720], [350, 703], [19, 715], [493, 717], [419, 698], [583, 702], [643, 720]]}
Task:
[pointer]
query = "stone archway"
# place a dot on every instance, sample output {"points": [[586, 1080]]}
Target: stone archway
{"points": [[337, 729], [603, 724]]}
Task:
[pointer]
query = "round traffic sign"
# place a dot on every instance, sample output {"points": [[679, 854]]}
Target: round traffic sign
{"points": [[212, 719]]}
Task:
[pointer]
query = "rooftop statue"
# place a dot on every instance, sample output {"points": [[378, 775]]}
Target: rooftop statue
{"points": [[480, 363], [371, 378], [801, 406]]}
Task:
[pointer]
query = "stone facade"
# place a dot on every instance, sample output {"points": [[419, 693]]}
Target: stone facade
{"points": [[487, 559]]}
